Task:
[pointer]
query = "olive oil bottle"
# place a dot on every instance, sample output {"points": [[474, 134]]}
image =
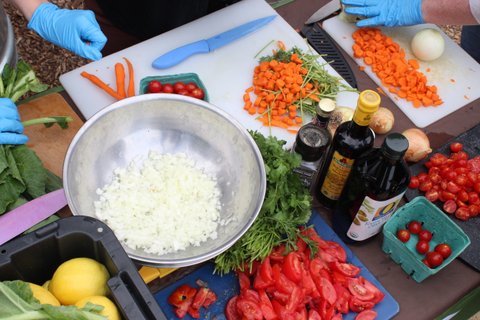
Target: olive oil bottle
{"points": [[351, 139], [378, 181]]}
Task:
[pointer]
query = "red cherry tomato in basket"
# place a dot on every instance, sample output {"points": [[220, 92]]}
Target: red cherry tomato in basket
{"points": [[422, 246], [425, 235], [456, 147], [403, 235], [434, 259], [154, 86], [414, 227], [444, 249]]}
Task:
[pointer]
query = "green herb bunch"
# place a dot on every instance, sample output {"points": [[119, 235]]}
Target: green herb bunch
{"points": [[287, 206]]}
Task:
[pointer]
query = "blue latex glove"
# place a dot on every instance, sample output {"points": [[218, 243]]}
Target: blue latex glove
{"points": [[74, 30], [11, 128], [388, 13]]}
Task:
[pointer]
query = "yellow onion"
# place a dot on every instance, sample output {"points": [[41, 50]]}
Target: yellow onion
{"points": [[418, 145]]}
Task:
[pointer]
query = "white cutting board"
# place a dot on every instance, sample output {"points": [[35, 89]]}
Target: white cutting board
{"points": [[454, 64], [226, 72]]}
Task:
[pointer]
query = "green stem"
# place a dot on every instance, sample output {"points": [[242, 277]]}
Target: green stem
{"points": [[44, 120], [30, 315]]}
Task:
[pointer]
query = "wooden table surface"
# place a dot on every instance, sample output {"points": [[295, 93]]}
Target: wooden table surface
{"points": [[417, 301]]}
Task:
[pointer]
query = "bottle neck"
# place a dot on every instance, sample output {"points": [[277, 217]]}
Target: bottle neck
{"points": [[322, 122], [357, 130]]}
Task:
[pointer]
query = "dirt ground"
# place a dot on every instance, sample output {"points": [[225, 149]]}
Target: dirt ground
{"points": [[50, 61]]}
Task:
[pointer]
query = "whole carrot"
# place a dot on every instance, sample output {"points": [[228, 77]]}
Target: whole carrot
{"points": [[131, 79], [102, 85], [120, 77]]}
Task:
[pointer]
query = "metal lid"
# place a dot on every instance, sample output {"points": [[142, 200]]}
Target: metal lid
{"points": [[311, 142]]}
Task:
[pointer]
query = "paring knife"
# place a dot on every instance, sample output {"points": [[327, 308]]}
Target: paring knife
{"points": [[179, 54], [29, 214], [325, 11]]}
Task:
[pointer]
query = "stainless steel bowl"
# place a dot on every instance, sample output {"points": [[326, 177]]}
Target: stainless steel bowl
{"points": [[8, 52], [169, 123]]}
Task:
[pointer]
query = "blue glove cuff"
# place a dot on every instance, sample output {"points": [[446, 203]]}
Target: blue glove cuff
{"points": [[45, 9]]}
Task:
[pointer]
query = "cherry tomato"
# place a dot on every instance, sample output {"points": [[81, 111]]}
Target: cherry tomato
{"points": [[432, 195], [462, 213], [422, 246], [425, 261], [178, 86], [425, 185], [434, 259], [456, 147], [476, 187], [474, 210], [450, 206], [154, 86], [444, 249], [167, 88], [414, 227], [453, 187], [425, 235], [190, 86], [198, 93], [403, 235], [414, 183], [183, 92]]}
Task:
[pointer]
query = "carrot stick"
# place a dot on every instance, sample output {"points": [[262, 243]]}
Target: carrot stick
{"points": [[131, 78], [120, 77], [102, 85]]}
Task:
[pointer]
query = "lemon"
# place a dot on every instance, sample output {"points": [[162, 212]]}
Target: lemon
{"points": [[109, 309], [78, 278], [43, 295]]}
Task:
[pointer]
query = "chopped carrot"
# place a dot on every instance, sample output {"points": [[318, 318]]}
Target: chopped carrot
{"points": [[120, 77], [281, 45], [131, 79], [388, 61], [102, 85]]}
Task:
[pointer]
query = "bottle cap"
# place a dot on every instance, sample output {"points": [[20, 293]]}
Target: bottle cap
{"points": [[310, 142], [394, 146], [368, 103], [325, 107]]}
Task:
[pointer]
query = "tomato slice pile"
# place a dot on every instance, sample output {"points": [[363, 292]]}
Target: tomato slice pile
{"points": [[295, 285], [453, 180], [186, 299], [187, 89]]}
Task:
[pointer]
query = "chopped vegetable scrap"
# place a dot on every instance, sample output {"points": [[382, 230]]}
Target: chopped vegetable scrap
{"points": [[124, 89], [287, 85], [388, 61], [186, 299]]}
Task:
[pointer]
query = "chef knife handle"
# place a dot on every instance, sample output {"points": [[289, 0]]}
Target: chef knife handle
{"points": [[179, 54]]}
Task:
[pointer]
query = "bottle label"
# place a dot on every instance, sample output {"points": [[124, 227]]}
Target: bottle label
{"points": [[337, 175], [371, 216]]}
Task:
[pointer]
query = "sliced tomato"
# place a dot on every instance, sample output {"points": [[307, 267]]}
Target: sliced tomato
{"points": [[266, 306], [358, 290], [347, 269], [378, 294], [335, 249], [283, 284], [296, 299], [278, 253], [339, 278], [326, 289], [200, 297], [357, 305], [259, 282], [181, 295], [292, 267], [367, 315], [243, 280], [194, 313], [314, 315], [316, 265], [249, 309], [308, 285], [343, 297]]}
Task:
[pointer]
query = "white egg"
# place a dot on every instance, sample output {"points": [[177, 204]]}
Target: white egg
{"points": [[428, 44]]}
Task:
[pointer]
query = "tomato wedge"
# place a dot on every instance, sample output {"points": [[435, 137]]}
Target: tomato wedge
{"points": [[347, 269], [358, 290], [292, 267], [249, 309], [182, 299], [366, 315], [357, 305]]}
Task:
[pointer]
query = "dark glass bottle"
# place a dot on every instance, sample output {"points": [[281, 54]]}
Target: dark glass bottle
{"points": [[351, 139], [378, 180]]}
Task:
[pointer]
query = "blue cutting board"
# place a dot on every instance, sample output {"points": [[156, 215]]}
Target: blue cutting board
{"points": [[226, 286]]}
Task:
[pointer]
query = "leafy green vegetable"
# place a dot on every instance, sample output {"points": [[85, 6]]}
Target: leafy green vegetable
{"points": [[18, 303], [287, 206]]}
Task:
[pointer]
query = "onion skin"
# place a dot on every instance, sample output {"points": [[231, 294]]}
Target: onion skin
{"points": [[382, 121], [418, 145]]}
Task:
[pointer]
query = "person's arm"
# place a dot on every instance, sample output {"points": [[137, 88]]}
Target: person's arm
{"points": [[448, 12], [27, 7], [392, 13], [74, 30]]}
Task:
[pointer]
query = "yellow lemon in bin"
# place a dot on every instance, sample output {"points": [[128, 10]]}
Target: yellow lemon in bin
{"points": [[43, 295], [79, 278], [46, 284], [109, 309]]}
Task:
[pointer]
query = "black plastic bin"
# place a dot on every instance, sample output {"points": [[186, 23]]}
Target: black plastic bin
{"points": [[34, 258]]}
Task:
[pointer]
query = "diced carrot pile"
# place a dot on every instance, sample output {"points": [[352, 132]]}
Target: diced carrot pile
{"points": [[277, 86], [388, 61]]}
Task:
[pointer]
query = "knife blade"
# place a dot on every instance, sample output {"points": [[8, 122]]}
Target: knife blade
{"points": [[179, 54], [325, 11], [27, 215]]}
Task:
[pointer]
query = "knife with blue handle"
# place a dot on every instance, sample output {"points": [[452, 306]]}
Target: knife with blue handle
{"points": [[179, 54]]}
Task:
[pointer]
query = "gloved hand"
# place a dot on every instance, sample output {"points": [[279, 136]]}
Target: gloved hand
{"points": [[11, 128], [74, 30], [388, 13]]}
